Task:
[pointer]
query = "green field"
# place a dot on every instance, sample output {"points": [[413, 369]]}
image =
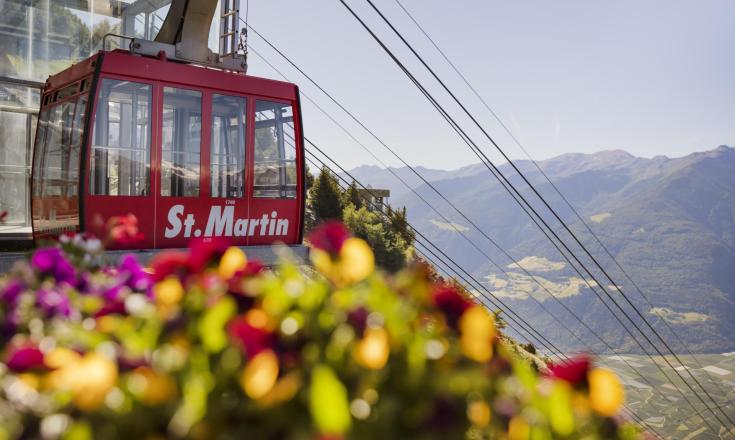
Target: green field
{"points": [[658, 402]]}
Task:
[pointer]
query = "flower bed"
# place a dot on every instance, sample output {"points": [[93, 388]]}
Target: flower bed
{"points": [[206, 344]]}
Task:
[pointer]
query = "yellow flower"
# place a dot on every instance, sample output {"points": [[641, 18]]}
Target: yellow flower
{"points": [[478, 412], [357, 261], [373, 350], [152, 388], [518, 429], [283, 391], [354, 262], [234, 259], [89, 378], [477, 328], [169, 292], [606, 392], [260, 374]]}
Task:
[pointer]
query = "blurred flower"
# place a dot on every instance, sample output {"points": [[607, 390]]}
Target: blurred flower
{"points": [[91, 379], [151, 387], [51, 261], [606, 392], [53, 302], [203, 251], [260, 374], [574, 371], [329, 237], [477, 328], [478, 412], [168, 263], [357, 318], [451, 302], [11, 291], [168, 292], [372, 350], [25, 358], [124, 230], [232, 262], [353, 263], [518, 428], [3, 216], [132, 274], [250, 338]]}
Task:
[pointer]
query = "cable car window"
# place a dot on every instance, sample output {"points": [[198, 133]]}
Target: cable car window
{"points": [[121, 149], [182, 131], [56, 157], [228, 146], [275, 161]]}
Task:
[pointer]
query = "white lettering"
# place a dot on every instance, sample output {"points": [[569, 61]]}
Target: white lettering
{"points": [[188, 223], [263, 224], [220, 221], [174, 221], [253, 225], [282, 228], [241, 227]]}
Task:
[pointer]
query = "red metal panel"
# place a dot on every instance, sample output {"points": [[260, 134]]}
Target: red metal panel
{"points": [[123, 63]]}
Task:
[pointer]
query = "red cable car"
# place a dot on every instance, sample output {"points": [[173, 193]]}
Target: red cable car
{"points": [[191, 150]]}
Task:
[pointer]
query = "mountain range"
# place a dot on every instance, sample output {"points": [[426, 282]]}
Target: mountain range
{"points": [[669, 223]]}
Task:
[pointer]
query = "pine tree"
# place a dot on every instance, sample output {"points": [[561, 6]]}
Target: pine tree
{"points": [[325, 198], [399, 224], [352, 196], [389, 248]]}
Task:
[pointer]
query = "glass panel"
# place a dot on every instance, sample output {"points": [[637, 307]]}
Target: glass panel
{"points": [[228, 146], [121, 145], [182, 132], [275, 160], [13, 168]]}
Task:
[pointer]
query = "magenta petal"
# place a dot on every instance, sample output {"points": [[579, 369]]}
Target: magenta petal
{"points": [[26, 358]]}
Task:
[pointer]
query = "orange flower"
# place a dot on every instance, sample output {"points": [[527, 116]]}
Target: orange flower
{"points": [[606, 392], [477, 328], [373, 350]]}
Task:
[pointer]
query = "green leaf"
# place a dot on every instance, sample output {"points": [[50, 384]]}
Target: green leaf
{"points": [[328, 402], [212, 325]]}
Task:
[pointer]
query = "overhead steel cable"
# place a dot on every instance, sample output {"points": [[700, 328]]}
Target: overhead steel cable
{"points": [[559, 219], [523, 325], [489, 164], [436, 258], [474, 91], [552, 211], [428, 204]]}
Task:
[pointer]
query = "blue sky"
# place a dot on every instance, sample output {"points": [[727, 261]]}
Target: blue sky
{"points": [[652, 77]]}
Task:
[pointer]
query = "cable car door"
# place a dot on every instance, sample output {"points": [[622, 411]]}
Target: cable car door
{"points": [[119, 181], [274, 202]]}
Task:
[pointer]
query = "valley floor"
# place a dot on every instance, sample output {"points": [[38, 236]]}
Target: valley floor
{"points": [[658, 402]]}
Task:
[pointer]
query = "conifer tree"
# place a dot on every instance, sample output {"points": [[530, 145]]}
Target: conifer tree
{"points": [[352, 195], [325, 198]]}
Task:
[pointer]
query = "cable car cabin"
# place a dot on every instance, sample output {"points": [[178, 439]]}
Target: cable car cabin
{"points": [[190, 151]]}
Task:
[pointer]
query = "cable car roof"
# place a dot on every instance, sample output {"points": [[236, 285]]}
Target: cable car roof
{"points": [[122, 62]]}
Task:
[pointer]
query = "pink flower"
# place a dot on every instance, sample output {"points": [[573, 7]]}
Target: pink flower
{"points": [[169, 263], [51, 261], [25, 358], [451, 302], [203, 251], [574, 372], [252, 339], [329, 237]]}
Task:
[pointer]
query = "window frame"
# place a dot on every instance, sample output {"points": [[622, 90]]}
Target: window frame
{"points": [[297, 160]]}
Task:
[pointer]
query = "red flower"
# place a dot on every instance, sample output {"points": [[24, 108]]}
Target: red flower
{"points": [[357, 318], [203, 250], [329, 237], [25, 358], [574, 372], [123, 229], [169, 263], [451, 302], [3, 216], [252, 339]]}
